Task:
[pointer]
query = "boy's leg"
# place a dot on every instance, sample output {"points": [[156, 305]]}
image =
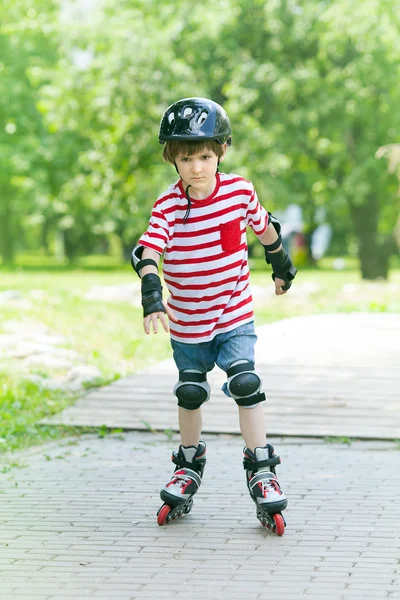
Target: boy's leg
{"points": [[193, 361], [192, 390], [236, 357], [190, 424], [238, 347], [252, 426]]}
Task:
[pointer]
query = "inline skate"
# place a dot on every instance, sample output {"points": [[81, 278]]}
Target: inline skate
{"points": [[178, 493], [264, 488]]}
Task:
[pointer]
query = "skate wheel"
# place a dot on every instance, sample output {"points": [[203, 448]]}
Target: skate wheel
{"points": [[279, 524], [163, 514]]}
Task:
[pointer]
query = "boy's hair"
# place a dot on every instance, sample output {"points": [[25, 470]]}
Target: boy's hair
{"points": [[185, 148]]}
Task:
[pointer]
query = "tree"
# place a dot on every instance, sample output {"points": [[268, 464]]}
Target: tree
{"points": [[117, 75], [27, 43], [313, 90]]}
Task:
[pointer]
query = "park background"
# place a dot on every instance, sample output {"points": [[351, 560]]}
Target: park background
{"points": [[312, 89]]}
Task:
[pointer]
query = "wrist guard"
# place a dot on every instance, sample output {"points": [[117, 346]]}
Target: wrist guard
{"points": [[282, 265], [152, 294]]}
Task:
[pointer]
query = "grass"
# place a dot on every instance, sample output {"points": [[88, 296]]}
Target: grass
{"points": [[109, 335], [22, 404]]}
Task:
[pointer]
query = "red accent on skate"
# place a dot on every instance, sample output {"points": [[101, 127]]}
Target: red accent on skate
{"points": [[275, 484], [264, 488], [178, 480]]}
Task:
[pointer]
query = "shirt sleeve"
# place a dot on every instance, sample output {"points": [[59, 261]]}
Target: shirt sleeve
{"points": [[256, 216], [157, 235]]}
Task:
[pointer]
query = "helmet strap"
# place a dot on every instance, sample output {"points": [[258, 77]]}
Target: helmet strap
{"points": [[185, 218], [189, 204]]}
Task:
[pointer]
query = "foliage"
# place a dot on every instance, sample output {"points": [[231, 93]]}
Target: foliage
{"points": [[305, 91], [28, 43], [312, 90], [22, 405]]}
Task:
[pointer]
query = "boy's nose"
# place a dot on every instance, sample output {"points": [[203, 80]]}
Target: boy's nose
{"points": [[196, 166]]}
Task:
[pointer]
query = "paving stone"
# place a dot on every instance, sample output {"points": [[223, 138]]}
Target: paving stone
{"points": [[85, 527], [138, 559]]}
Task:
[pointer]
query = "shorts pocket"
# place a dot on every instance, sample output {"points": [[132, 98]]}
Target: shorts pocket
{"points": [[230, 235]]}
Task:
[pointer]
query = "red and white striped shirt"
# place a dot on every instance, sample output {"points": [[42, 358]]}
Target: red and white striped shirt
{"points": [[205, 262]]}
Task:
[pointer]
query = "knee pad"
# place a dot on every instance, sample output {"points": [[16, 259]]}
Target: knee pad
{"points": [[192, 389], [244, 384]]}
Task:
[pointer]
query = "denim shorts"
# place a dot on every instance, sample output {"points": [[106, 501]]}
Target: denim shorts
{"points": [[223, 351]]}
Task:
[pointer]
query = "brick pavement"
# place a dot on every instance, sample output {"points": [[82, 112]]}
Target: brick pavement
{"points": [[78, 522]]}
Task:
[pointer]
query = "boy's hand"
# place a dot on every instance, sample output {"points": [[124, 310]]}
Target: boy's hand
{"points": [[153, 319], [279, 284]]}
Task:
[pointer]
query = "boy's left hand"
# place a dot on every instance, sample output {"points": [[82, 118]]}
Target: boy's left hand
{"points": [[279, 283]]}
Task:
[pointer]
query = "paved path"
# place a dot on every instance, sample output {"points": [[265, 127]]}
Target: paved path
{"points": [[324, 375], [79, 523]]}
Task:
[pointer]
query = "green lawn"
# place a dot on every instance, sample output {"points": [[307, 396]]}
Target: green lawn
{"points": [[109, 335]]}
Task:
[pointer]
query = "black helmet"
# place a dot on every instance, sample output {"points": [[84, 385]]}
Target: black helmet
{"points": [[193, 119]]}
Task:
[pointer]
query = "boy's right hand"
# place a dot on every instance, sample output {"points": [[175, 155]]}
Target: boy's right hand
{"points": [[154, 307], [152, 319]]}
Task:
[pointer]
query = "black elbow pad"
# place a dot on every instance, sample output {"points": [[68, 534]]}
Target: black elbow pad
{"points": [[137, 262]]}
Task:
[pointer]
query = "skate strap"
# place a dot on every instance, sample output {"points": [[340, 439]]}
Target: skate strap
{"points": [[182, 463], [255, 465]]}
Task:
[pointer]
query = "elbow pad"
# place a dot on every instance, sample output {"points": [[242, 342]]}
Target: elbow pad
{"points": [[274, 221], [282, 266], [152, 294], [137, 262], [277, 226]]}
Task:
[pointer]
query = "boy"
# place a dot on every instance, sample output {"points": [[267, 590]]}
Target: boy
{"points": [[199, 223]]}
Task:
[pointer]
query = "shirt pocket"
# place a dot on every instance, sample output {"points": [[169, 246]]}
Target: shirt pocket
{"points": [[230, 235]]}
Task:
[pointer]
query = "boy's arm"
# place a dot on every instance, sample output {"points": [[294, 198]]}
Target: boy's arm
{"points": [[152, 255], [269, 237], [283, 270], [154, 307]]}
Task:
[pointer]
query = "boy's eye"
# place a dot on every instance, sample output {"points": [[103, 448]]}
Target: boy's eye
{"points": [[187, 158]]}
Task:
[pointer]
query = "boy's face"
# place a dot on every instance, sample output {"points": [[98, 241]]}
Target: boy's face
{"points": [[198, 170]]}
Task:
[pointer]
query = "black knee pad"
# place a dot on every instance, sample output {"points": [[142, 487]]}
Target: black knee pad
{"points": [[192, 389], [244, 384]]}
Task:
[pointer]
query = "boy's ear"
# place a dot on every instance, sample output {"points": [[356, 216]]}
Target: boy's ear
{"points": [[224, 149]]}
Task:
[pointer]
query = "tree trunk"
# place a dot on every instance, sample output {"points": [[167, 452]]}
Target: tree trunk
{"points": [[59, 244], [44, 237], [374, 251], [7, 249]]}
